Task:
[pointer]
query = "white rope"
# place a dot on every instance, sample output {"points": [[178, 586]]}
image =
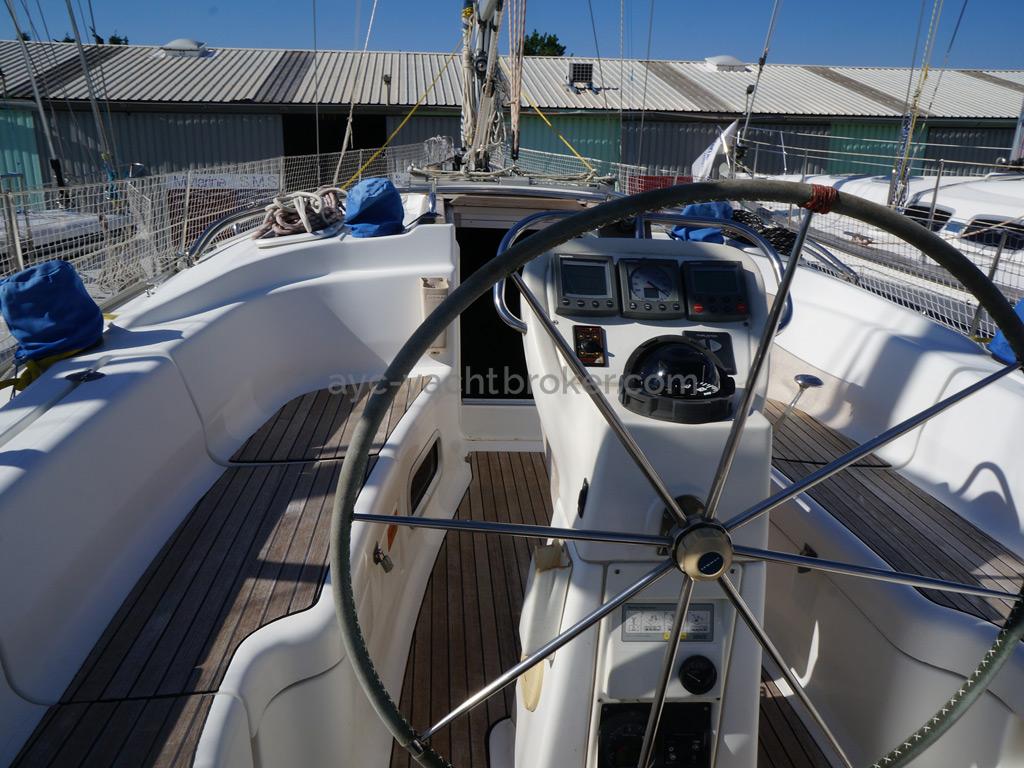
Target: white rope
{"points": [[516, 51], [296, 212]]}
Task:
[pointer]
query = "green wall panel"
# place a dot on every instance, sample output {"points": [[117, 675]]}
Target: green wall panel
{"points": [[595, 136], [873, 147], [18, 150]]}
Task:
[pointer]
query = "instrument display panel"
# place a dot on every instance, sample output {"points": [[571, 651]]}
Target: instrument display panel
{"points": [[585, 286], [651, 289]]}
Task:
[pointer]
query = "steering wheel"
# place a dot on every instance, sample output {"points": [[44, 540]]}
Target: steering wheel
{"points": [[700, 547]]}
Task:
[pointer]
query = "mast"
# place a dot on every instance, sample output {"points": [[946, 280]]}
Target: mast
{"points": [[55, 167], [481, 123], [105, 152]]}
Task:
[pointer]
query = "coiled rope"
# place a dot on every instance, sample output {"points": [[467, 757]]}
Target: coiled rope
{"points": [[298, 212]]}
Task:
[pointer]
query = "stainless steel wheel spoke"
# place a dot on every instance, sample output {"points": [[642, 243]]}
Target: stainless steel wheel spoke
{"points": [[550, 647], [739, 420], [864, 449], [516, 529], [874, 574], [751, 621], [591, 387], [667, 665]]}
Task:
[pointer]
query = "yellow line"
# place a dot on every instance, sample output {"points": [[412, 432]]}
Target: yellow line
{"points": [[547, 122], [401, 125]]}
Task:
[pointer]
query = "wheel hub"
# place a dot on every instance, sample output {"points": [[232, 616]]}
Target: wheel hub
{"points": [[703, 551]]}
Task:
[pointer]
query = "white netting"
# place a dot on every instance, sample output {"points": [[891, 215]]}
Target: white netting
{"points": [[125, 235], [896, 270]]}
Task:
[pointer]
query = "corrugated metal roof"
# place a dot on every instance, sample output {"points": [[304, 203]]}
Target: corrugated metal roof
{"points": [[137, 73]]}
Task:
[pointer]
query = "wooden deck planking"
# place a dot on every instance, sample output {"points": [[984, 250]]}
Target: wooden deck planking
{"points": [[783, 739], [902, 524], [467, 629], [318, 425], [254, 549], [470, 623]]}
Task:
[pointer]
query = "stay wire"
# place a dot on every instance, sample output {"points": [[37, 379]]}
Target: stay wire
{"points": [[103, 80], [643, 98], [945, 59], [597, 49]]}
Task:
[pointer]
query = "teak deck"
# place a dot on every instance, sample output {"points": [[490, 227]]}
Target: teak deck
{"points": [[254, 549], [467, 632], [906, 527]]}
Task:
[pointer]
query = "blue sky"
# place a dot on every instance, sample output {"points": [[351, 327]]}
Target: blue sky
{"points": [[866, 32]]}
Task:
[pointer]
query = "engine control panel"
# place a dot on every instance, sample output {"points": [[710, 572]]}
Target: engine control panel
{"points": [[683, 741], [588, 341]]}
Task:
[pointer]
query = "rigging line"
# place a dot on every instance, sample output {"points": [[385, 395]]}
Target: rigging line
{"points": [[926, 58], [50, 51], [760, 67], [557, 133], [84, 64], [316, 95], [913, 58], [40, 74], [643, 98], [419, 102], [27, 58], [945, 59], [622, 66], [516, 43], [360, 71], [597, 49], [103, 79]]}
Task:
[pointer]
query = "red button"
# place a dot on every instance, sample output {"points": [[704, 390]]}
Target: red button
{"points": [[698, 308]]}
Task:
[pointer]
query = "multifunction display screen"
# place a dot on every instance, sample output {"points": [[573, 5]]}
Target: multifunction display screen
{"points": [[584, 278], [714, 281]]}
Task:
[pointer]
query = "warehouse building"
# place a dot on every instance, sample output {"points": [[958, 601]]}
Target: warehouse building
{"points": [[186, 104]]}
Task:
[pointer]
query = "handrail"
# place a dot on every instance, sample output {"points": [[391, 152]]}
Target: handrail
{"points": [[727, 226], [513, 234], [202, 242]]}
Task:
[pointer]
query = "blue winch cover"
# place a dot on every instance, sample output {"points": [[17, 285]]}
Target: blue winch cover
{"points": [[999, 346], [374, 208], [719, 210], [48, 311]]}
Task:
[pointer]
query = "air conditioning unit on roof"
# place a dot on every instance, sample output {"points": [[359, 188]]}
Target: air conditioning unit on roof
{"points": [[581, 73]]}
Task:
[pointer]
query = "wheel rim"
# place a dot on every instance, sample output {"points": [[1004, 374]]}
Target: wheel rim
{"points": [[355, 464]]}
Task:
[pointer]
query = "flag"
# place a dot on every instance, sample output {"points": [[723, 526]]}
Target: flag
{"points": [[705, 162]]}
